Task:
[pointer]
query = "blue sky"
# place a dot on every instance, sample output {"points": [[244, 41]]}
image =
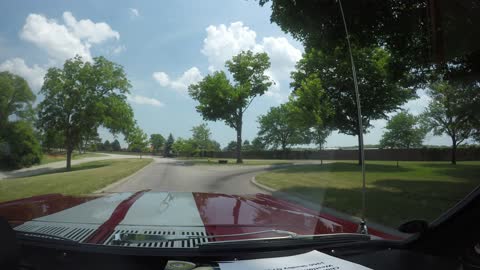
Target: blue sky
{"points": [[163, 46]]}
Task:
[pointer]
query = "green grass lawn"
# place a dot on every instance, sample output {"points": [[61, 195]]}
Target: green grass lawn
{"points": [[83, 179], [414, 190], [49, 158], [231, 161]]}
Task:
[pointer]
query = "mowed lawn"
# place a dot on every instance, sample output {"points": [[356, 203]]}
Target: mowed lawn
{"points": [[232, 161], [49, 158], [414, 190], [84, 178]]}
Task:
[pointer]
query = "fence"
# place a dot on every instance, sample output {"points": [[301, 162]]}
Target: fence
{"points": [[422, 154]]}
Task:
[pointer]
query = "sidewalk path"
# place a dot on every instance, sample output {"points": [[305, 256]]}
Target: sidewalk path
{"points": [[44, 168]]}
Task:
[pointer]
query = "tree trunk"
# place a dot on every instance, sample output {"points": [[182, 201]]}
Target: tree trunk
{"points": [[239, 139], [69, 157], [284, 150], [454, 150]]}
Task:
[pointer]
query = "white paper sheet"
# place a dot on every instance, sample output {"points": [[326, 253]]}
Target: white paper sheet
{"points": [[313, 260]]}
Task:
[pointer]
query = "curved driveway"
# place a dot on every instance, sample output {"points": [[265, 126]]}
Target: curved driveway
{"points": [[173, 175]]}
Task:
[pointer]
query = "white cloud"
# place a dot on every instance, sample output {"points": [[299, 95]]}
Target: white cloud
{"points": [[119, 49], [134, 12], [223, 42], [417, 106], [62, 41], [191, 76], [141, 100], [162, 78], [86, 29], [34, 75]]}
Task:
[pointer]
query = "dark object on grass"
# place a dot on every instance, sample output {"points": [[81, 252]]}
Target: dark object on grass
{"points": [[222, 161]]}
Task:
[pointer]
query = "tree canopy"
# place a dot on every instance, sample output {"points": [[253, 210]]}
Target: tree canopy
{"points": [[323, 85], [137, 140], [16, 98], [450, 111], [116, 145], [278, 128], [416, 33], [156, 141], [403, 130], [219, 99], [82, 96]]}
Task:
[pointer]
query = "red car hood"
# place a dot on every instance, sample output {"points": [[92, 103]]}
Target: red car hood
{"points": [[97, 218]]}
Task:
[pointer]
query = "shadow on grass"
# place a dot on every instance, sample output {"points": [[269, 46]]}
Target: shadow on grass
{"points": [[391, 202], [346, 167], [465, 171]]}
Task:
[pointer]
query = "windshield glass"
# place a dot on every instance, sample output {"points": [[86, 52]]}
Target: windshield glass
{"points": [[178, 124]]}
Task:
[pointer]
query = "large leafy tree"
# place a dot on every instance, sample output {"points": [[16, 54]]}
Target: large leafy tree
{"points": [[16, 98], [201, 137], [156, 141], [82, 96], [450, 112], [416, 33], [279, 128], [137, 140], [223, 100], [311, 108], [403, 130], [326, 78]]}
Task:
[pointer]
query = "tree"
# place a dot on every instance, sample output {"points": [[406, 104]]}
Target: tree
{"points": [[87, 139], [16, 98], [329, 76], [258, 144], [201, 137], [82, 96], [231, 146], [279, 128], [184, 147], [107, 146], [449, 112], [116, 145], [214, 146], [19, 146], [137, 141], [246, 146], [221, 100], [156, 141], [167, 150], [311, 108], [403, 131], [416, 33], [52, 139]]}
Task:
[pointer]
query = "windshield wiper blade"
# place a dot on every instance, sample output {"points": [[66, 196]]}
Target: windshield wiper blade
{"points": [[325, 238], [137, 238], [44, 236]]}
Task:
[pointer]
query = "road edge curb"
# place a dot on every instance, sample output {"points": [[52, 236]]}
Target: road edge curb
{"points": [[123, 180]]}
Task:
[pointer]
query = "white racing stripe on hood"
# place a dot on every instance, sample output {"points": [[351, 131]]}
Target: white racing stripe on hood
{"points": [[164, 209], [96, 211]]}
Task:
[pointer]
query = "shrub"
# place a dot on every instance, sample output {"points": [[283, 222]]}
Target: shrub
{"points": [[20, 148]]}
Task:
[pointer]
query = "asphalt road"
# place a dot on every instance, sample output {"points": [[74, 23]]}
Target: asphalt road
{"points": [[173, 175]]}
